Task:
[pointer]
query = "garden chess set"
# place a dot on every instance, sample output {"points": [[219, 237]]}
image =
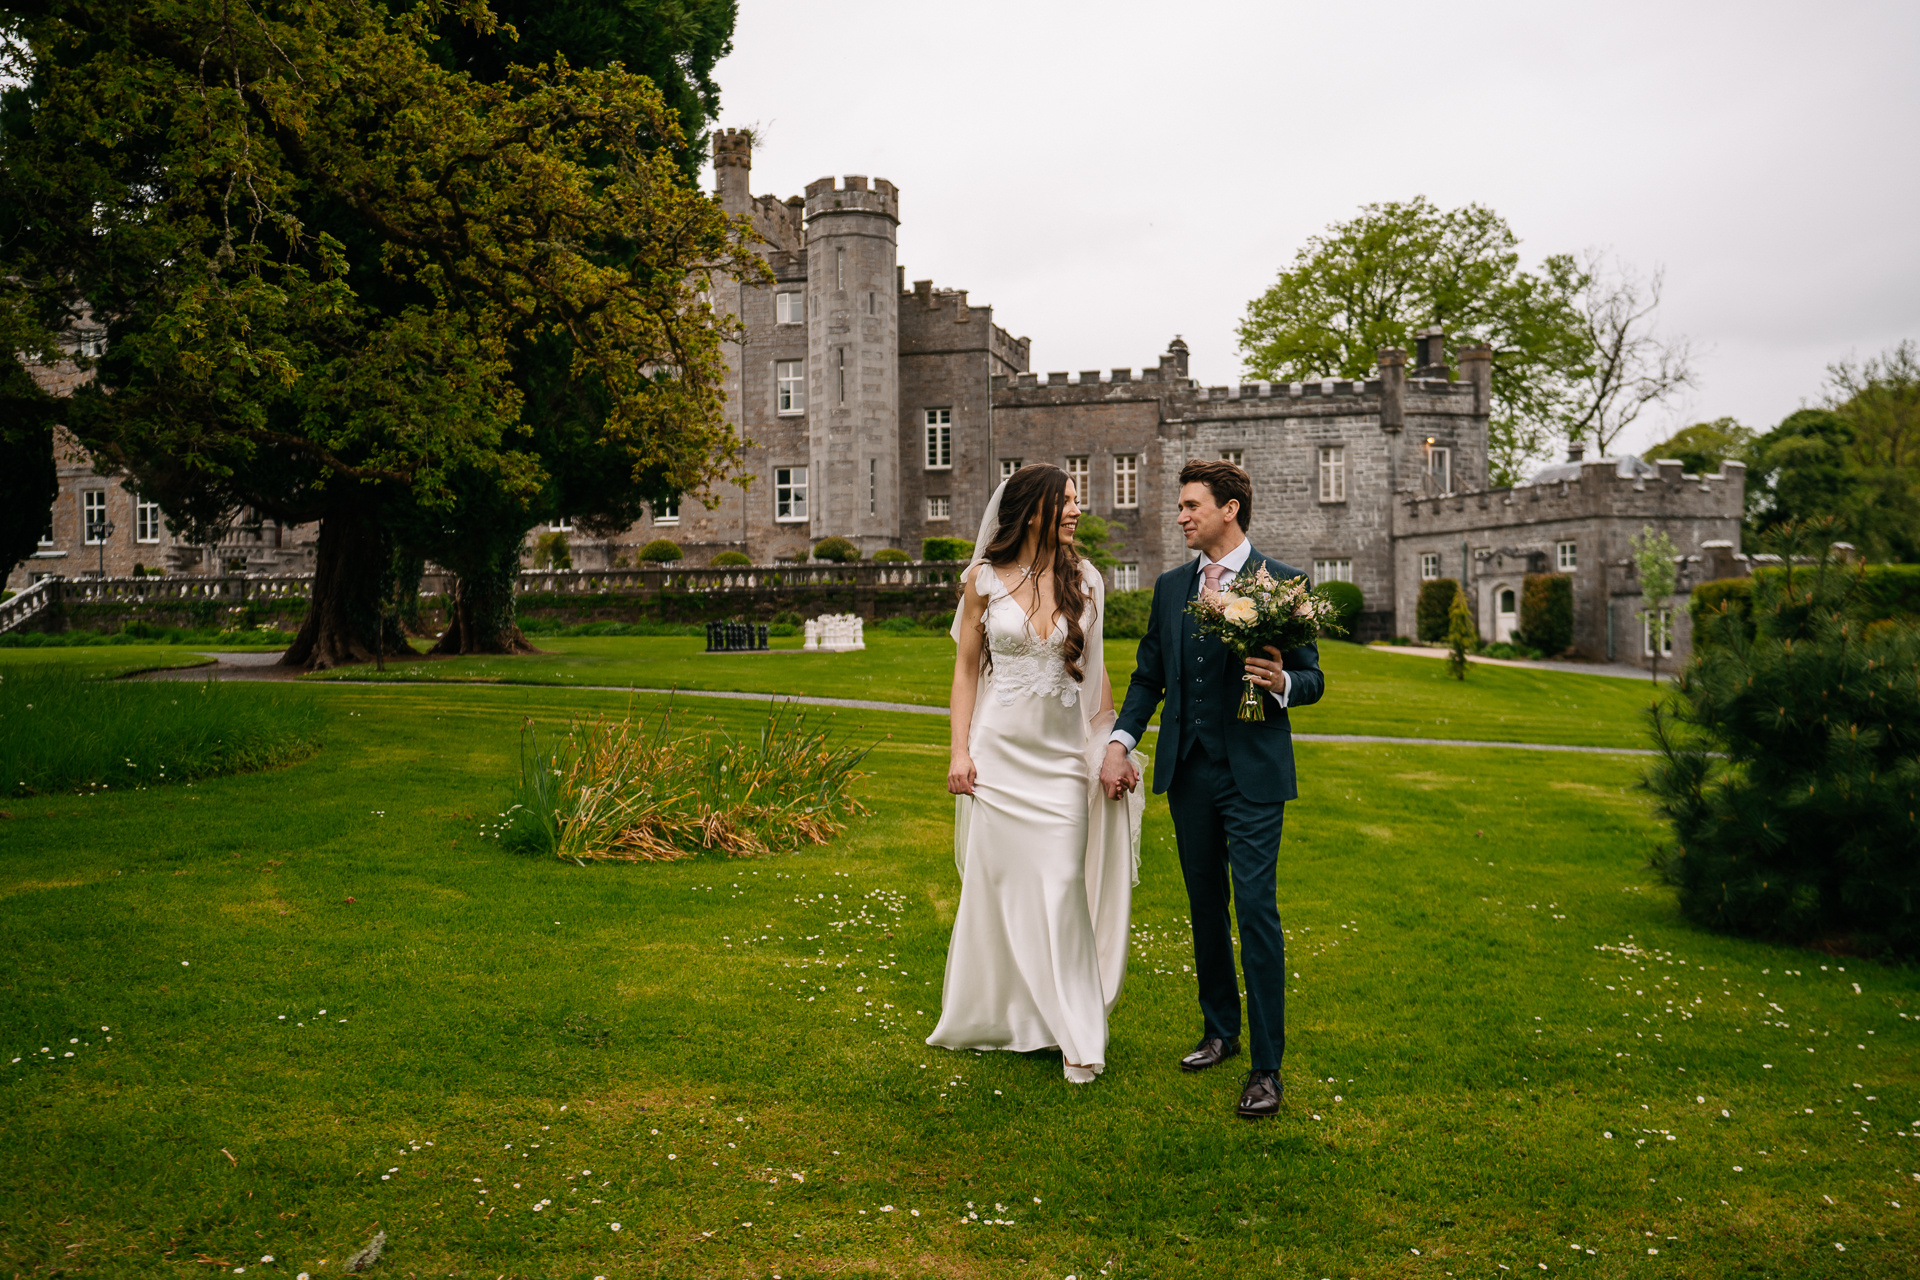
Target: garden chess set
{"points": [[835, 633]]}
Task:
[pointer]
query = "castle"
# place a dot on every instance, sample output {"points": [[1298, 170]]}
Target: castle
{"points": [[887, 414]]}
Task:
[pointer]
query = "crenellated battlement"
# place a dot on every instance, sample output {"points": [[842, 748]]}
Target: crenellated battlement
{"points": [[825, 197], [1602, 488], [733, 148]]}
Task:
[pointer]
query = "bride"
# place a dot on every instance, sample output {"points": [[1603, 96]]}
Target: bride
{"points": [[1047, 862]]}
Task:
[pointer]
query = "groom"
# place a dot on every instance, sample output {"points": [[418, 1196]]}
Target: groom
{"points": [[1227, 781]]}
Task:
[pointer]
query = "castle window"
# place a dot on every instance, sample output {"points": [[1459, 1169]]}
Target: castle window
{"points": [[146, 521], [563, 524], [46, 539], [1440, 467], [789, 308], [939, 439], [667, 512], [1008, 466], [1566, 556], [93, 516], [1332, 571], [840, 268], [1081, 475], [790, 378], [1126, 480], [1666, 633], [1126, 577], [1333, 474], [790, 493], [939, 508], [841, 356], [1234, 456], [94, 345], [873, 486], [1429, 565]]}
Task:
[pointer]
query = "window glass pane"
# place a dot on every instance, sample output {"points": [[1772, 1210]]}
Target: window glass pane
{"points": [[1568, 558], [1126, 480], [1340, 570], [939, 508], [1078, 472], [667, 512], [1333, 474], [790, 386], [1232, 455], [1126, 577], [1008, 466], [790, 493], [1429, 565], [790, 308]]}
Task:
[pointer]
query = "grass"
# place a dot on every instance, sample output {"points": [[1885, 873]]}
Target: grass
{"points": [[107, 661], [1368, 692], [1488, 985], [63, 731]]}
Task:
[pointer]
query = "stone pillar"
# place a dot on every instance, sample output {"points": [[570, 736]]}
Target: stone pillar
{"points": [[1393, 410], [1476, 370], [853, 360]]}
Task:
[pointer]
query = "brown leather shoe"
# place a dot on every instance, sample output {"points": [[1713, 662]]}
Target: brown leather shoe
{"points": [[1210, 1052], [1261, 1095]]}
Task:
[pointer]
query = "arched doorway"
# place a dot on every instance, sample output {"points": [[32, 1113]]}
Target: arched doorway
{"points": [[1506, 611]]}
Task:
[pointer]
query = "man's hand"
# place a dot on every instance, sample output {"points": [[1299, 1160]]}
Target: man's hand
{"points": [[1268, 674], [1117, 774]]}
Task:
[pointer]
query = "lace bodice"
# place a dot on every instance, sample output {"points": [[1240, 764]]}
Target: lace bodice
{"points": [[1023, 663]]}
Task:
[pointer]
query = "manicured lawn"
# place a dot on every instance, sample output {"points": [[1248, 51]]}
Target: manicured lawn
{"points": [[1368, 692], [106, 660], [1505, 1049]]}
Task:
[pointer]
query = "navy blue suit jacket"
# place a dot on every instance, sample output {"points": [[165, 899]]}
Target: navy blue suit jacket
{"points": [[1259, 752]]}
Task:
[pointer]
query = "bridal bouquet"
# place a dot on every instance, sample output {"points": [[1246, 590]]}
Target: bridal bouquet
{"points": [[1257, 610]]}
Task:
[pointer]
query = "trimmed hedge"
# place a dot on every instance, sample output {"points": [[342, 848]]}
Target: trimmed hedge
{"points": [[1348, 599], [891, 555], [1546, 613], [727, 559], [660, 551], [838, 550], [1127, 613], [1430, 615], [945, 549]]}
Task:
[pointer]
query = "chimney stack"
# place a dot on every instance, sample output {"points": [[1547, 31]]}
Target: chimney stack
{"points": [[1430, 347], [1576, 451]]}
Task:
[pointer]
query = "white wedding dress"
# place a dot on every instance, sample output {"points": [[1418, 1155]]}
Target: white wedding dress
{"points": [[1047, 863]]}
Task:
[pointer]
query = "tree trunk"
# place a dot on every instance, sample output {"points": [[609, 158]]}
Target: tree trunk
{"points": [[481, 618], [353, 567]]}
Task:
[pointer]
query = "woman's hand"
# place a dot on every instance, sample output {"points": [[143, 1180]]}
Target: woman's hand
{"points": [[961, 774]]}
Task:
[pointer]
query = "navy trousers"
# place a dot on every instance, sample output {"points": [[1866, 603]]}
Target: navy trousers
{"points": [[1229, 847]]}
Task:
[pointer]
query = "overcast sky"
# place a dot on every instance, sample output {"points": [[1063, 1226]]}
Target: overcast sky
{"points": [[1109, 175]]}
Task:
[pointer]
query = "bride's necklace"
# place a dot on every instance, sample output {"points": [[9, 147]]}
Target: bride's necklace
{"points": [[1028, 571]]}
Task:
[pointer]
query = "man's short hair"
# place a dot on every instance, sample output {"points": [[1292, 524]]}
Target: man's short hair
{"points": [[1226, 482]]}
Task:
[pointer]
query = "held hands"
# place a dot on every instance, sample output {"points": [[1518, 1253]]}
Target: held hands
{"points": [[1267, 673], [1117, 774], [961, 775]]}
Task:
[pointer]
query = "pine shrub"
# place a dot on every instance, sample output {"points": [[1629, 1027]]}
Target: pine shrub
{"points": [[1790, 769], [1463, 637], [1546, 613], [1431, 613]]}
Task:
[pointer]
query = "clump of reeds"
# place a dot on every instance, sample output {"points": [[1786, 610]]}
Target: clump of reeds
{"points": [[610, 790]]}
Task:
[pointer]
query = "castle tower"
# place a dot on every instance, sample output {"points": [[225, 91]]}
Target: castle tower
{"points": [[853, 360], [732, 169]]}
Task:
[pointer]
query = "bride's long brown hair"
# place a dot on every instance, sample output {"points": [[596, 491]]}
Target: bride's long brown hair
{"points": [[1041, 488]]}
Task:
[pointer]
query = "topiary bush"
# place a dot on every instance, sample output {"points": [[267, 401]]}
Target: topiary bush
{"points": [[891, 555], [945, 549], [1789, 770], [728, 559], [1347, 598], [838, 550], [1546, 613], [1436, 603], [660, 551]]}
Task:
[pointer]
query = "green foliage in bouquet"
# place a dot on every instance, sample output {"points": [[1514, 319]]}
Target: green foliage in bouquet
{"points": [[1434, 608], [1790, 770]]}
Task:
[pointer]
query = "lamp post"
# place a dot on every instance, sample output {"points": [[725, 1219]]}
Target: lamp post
{"points": [[98, 531]]}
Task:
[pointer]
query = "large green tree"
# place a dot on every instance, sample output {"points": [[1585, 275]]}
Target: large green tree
{"points": [[320, 249], [1376, 280], [1703, 446]]}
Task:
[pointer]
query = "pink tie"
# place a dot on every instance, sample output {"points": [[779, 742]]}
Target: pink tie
{"points": [[1213, 573]]}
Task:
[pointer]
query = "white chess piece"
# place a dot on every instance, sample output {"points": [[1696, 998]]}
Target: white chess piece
{"points": [[813, 635]]}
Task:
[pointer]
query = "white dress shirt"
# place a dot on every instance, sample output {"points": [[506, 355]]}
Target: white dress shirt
{"points": [[1233, 562]]}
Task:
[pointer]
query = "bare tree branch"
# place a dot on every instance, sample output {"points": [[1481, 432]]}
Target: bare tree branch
{"points": [[1633, 366]]}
